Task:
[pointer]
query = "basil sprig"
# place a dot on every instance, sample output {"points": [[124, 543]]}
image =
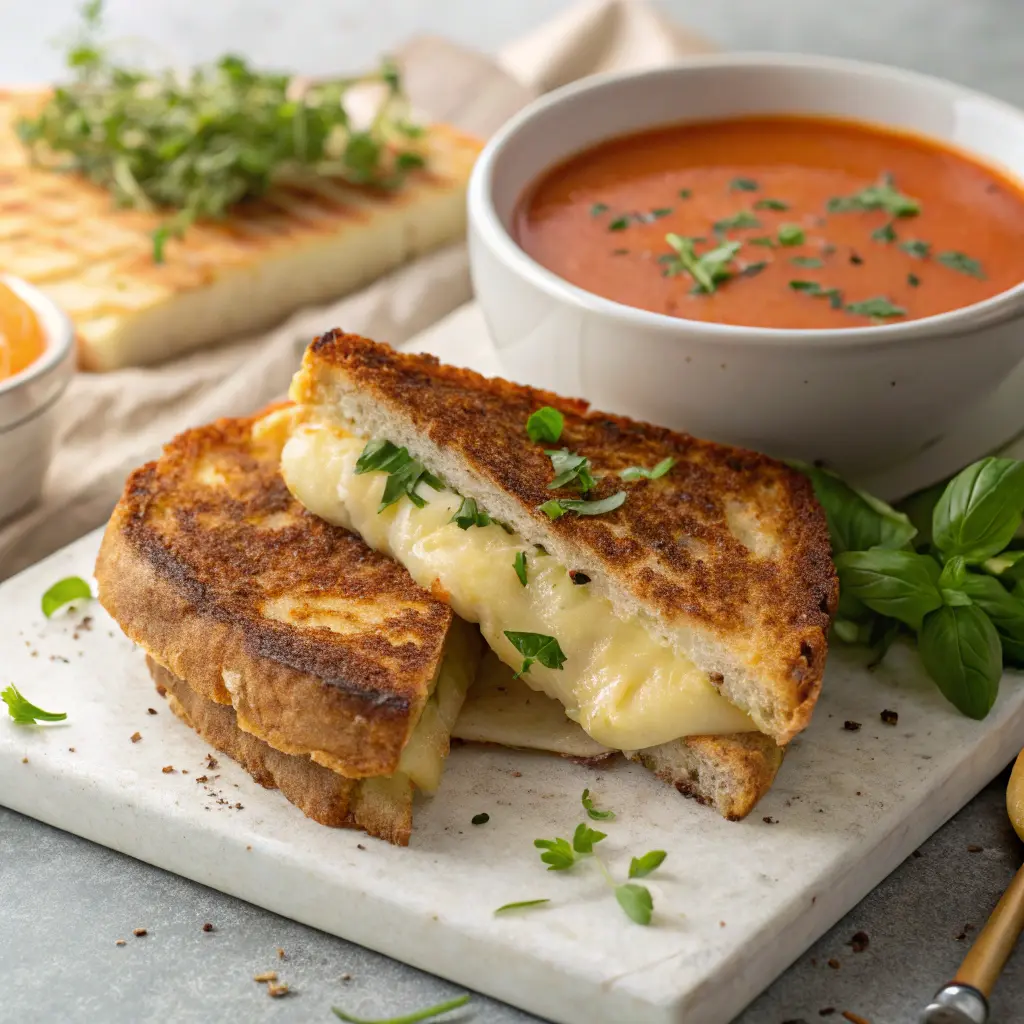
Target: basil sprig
{"points": [[943, 572]]}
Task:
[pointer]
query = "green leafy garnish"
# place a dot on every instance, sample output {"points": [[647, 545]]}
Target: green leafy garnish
{"points": [[545, 425], [812, 262], [771, 204], [766, 240], [708, 270], [569, 466], [901, 585], [197, 144], [619, 224], [536, 647], [916, 248], [592, 811], [636, 901], [598, 208], [410, 1018], [962, 652], [979, 512], [913, 280], [684, 193], [65, 591], [886, 233], [480, 819], [739, 221], [584, 838], [814, 287], [468, 515], [558, 507], [961, 263], [520, 566], [641, 867], [791, 234], [880, 196], [878, 308], [520, 905], [558, 853], [656, 214], [24, 712], [752, 269], [642, 473], [405, 473], [742, 185]]}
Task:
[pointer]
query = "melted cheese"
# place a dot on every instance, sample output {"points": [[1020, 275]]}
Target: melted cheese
{"points": [[625, 687]]}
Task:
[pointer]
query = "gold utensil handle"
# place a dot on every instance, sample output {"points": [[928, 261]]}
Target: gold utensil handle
{"points": [[996, 940]]}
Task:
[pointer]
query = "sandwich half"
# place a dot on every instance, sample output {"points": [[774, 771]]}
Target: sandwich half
{"points": [[657, 606], [269, 623]]}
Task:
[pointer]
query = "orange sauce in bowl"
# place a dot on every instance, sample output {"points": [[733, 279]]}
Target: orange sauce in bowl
{"points": [[21, 336]]}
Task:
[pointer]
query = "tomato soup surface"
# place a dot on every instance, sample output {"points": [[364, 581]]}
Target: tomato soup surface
{"points": [[787, 222], [21, 336]]}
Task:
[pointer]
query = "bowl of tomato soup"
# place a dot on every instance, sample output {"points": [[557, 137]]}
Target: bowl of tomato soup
{"points": [[817, 258], [37, 360]]}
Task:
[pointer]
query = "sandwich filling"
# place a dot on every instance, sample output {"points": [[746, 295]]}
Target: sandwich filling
{"points": [[625, 687]]}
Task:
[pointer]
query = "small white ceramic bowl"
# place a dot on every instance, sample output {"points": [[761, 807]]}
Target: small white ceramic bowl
{"points": [[28, 402], [861, 398]]}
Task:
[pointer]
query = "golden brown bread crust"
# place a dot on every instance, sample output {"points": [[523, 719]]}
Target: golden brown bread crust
{"points": [[206, 543], [319, 793], [670, 546]]}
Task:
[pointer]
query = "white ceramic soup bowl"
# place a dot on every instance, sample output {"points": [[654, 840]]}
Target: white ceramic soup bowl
{"points": [[28, 404], [861, 399]]}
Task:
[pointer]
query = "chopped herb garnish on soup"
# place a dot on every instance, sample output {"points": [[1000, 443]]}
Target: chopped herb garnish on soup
{"points": [[738, 221], [598, 208], [766, 240], [684, 193], [916, 248], [964, 264], [886, 233], [791, 234], [619, 224], [708, 270], [771, 204], [881, 196], [806, 261], [753, 269], [742, 185], [878, 308], [913, 280]]}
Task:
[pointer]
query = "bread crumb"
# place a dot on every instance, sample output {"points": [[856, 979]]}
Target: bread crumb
{"points": [[346, 977], [139, 932], [120, 942], [859, 942], [184, 771], [136, 736], [24, 760], [202, 778], [207, 927], [167, 769], [280, 953], [265, 976], [889, 717], [150, 711], [851, 726], [248, 847], [974, 848], [769, 820], [211, 762], [359, 846], [721, 924], [833, 963], [276, 991], [826, 1011]]}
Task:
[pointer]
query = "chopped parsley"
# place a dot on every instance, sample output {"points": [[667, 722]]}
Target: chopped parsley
{"points": [[26, 713], [742, 185], [655, 214], [765, 240], [708, 270], [569, 467], [520, 905], [913, 280], [878, 308], [834, 295], [536, 647], [556, 508], [791, 234], [520, 566], [811, 262], [405, 473], [545, 425], [592, 811], [598, 208], [642, 473], [739, 221], [881, 196], [916, 248], [469, 515], [64, 592], [855, 259], [961, 263], [805, 286], [886, 233], [619, 224], [771, 204], [620, 252], [558, 853], [684, 193]]}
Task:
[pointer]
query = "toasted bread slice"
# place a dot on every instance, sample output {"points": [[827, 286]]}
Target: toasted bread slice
{"points": [[725, 559], [322, 647], [381, 807], [729, 773], [297, 246]]}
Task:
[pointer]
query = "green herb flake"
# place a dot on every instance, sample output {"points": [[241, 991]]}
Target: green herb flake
{"points": [[552, 509], [684, 193], [24, 712], [66, 591], [558, 853], [771, 204], [641, 867], [536, 647], [916, 248], [642, 473], [619, 224], [592, 812], [708, 270], [913, 280], [636, 901], [962, 264], [766, 240], [545, 425], [585, 838], [468, 515], [886, 233], [598, 208], [405, 473], [738, 222], [881, 196], [791, 234], [570, 467], [658, 213], [555, 508], [409, 1018], [752, 269], [520, 566], [520, 905], [813, 287], [811, 262], [878, 308], [742, 185]]}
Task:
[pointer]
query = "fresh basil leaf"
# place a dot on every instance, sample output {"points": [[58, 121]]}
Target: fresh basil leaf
{"points": [[468, 515], [520, 905], [545, 425], [592, 811], [536, 647], [953, 574], [553, 509], [65, 591], [961, 263], [880, 196], [852, 609], [428, 1013], [850, 632], [961, 651], [636, 901], [520, 566], [570, 467], [1005, 609], [558, 854], [24, 712], [404, 472], [790, 234], [584, 838], [898, 584], [857, 520], [641, 867], [882, 634], [878, 308], [642, 473], [980, 510], [1007, 566], [771, 204], [919, 508]]}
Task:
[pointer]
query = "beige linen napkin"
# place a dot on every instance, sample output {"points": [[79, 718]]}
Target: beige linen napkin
{"points": [[110, 423]]}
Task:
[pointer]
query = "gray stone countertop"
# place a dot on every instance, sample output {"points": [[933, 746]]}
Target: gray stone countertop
{"points": [[64, 901]]}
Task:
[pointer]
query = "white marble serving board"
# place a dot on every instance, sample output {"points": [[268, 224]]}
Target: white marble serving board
{"points": [[735, 903]]}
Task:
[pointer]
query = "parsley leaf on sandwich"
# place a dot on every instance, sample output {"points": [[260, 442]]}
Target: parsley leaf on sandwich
{"points": [[520, 566], [642, 473], [569, 467], [64, 592], [24, 712], [536, 647], [545, 425], [405, 473], [592, 811], [468, 515], [558, 507]]}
